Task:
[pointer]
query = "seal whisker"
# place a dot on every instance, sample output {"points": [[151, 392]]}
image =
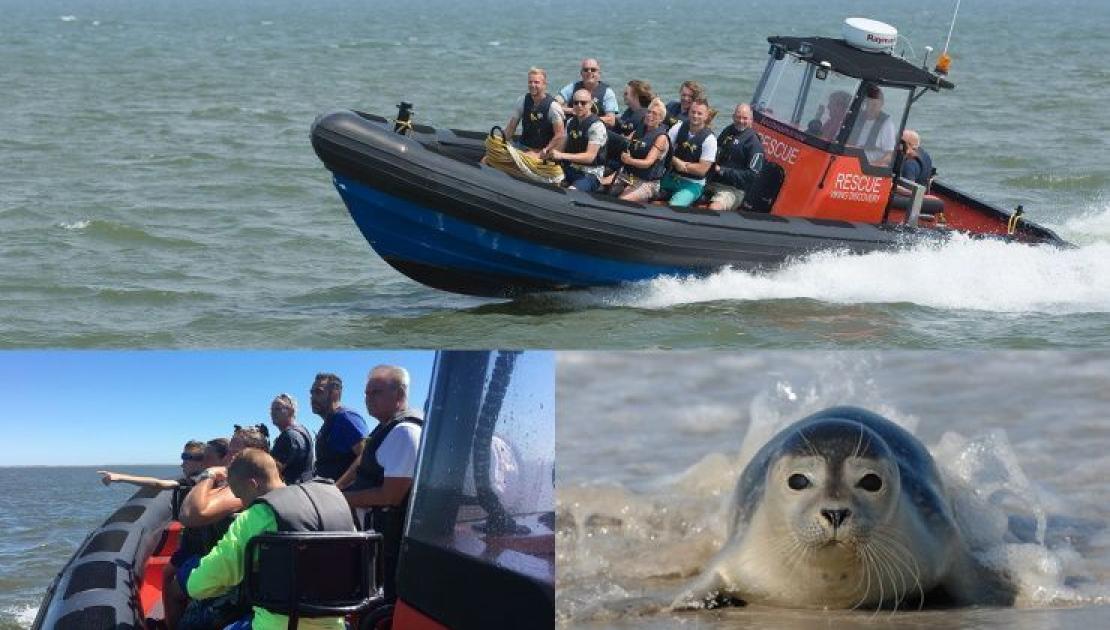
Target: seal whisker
{"points": [[896, 566], [888, 536]]}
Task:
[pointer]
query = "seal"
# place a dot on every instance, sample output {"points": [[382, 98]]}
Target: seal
{"points": [[843, 509]]}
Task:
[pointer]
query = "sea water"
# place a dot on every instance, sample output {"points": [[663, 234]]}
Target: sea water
{"points": [[650, 447], [46, 512], [159, 189]]}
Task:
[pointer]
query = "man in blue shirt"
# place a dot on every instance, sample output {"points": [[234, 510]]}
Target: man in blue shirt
{"points": [[339, 441]]}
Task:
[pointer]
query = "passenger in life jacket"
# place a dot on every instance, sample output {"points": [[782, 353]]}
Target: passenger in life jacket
{"points": [[583, 152], [316, 506], [739, 161], [637, 96], [603, 98], [694, 149], [875, 131], [192, 464], [541, 115], [206, 513], [678, 111], [917, 166], [378, 483], [293, 446], [339, 440], [644, 162]]}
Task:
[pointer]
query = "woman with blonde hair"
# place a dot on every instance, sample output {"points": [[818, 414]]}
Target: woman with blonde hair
{"points": [[644, 162]]}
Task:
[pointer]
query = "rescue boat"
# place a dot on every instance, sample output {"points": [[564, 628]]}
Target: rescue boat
{"points": [[478, 548], [427, 206]]}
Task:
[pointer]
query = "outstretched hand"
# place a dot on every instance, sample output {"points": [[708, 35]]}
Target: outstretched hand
{"points": [[106, 477]]}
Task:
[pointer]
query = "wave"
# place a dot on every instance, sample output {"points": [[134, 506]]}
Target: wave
{"points": [[962, 274]]}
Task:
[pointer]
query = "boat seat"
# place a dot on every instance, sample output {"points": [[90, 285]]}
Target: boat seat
{"points": [[930, 205], [312, 574]]}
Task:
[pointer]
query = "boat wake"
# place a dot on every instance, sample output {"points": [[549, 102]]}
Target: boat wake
{"points": [[962, 274]]}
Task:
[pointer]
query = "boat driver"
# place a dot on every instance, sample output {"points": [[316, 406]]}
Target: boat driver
{"points": [[874, 130], [604, 99], [583, 151], [542, 117]]}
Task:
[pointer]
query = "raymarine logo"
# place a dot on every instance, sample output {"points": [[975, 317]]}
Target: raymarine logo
{"points": [[879, 39]]}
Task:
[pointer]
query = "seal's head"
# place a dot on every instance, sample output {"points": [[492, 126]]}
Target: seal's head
{"points": [[833, 483]]}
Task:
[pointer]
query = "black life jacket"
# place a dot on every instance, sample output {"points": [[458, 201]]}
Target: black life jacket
{"points": [[299, 471], [688, 148], [674, 114], [330, 463], [597, 94], [313, 506], [371, 474], [639, 149], [537, 130], [578, 139]]}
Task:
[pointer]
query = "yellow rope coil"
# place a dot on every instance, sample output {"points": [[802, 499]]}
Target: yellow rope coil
{"points": [[505, 157]]}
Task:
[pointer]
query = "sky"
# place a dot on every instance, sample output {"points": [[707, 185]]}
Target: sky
{"points": [[94, 408]]}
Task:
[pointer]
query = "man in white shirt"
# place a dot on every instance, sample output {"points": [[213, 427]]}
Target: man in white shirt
{"points": [[874, 130], [379, 481]]}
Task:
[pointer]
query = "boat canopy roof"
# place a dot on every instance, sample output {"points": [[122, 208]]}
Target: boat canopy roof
{"points": [[877, 67]]}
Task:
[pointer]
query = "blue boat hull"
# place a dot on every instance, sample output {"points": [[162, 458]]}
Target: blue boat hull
{"points": [[454, 255]]}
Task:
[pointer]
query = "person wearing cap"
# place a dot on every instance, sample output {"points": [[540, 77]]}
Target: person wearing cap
{"points": [[603, 98], [293, 447], [874, 130]]}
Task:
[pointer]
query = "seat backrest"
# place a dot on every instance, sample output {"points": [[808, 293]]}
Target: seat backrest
{"points": [[765, 189], [311, 574]]}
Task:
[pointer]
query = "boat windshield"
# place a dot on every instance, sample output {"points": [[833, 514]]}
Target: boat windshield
{"points": [[485, 485], [805, 96]]}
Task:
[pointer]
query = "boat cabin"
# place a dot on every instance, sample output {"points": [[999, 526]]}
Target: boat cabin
{"points": [[830, 113]]}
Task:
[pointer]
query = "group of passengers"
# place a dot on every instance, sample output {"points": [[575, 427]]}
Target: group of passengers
{"points": [[650, 151], [656, 151], [235, 492]]}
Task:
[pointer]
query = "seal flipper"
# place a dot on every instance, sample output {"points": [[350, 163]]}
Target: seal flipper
{"points": [[710, 591]]}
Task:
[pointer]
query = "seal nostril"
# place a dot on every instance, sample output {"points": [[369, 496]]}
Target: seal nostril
{"points": [[836, 517]]}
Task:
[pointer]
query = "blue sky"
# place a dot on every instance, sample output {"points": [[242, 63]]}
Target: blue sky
{"points": [[140, 407]]}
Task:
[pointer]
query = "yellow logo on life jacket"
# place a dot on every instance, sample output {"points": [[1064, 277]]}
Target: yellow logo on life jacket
{"points": [[689, 146], [535, 116]]}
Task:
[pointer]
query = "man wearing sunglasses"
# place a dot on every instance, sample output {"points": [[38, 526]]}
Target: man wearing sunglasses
{"points": [[192, 464], [603, 98], [583, 153]]}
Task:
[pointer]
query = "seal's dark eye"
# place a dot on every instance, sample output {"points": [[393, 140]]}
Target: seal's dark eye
{"points": [[797, 481], [870, 482]]}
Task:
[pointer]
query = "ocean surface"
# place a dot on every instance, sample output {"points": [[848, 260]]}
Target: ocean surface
{"points": [[45, 515], [158, 188], [650, 446]]}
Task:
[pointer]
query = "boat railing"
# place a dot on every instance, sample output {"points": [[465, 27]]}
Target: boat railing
{"points": [[917, 199]]}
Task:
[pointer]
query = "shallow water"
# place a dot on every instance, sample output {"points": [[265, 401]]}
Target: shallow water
{"points": [[160, 190], [650, 446]]}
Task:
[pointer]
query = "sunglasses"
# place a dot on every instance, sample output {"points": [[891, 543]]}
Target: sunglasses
{"points": [[581, 102], [186, 457], [591, 69]]}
